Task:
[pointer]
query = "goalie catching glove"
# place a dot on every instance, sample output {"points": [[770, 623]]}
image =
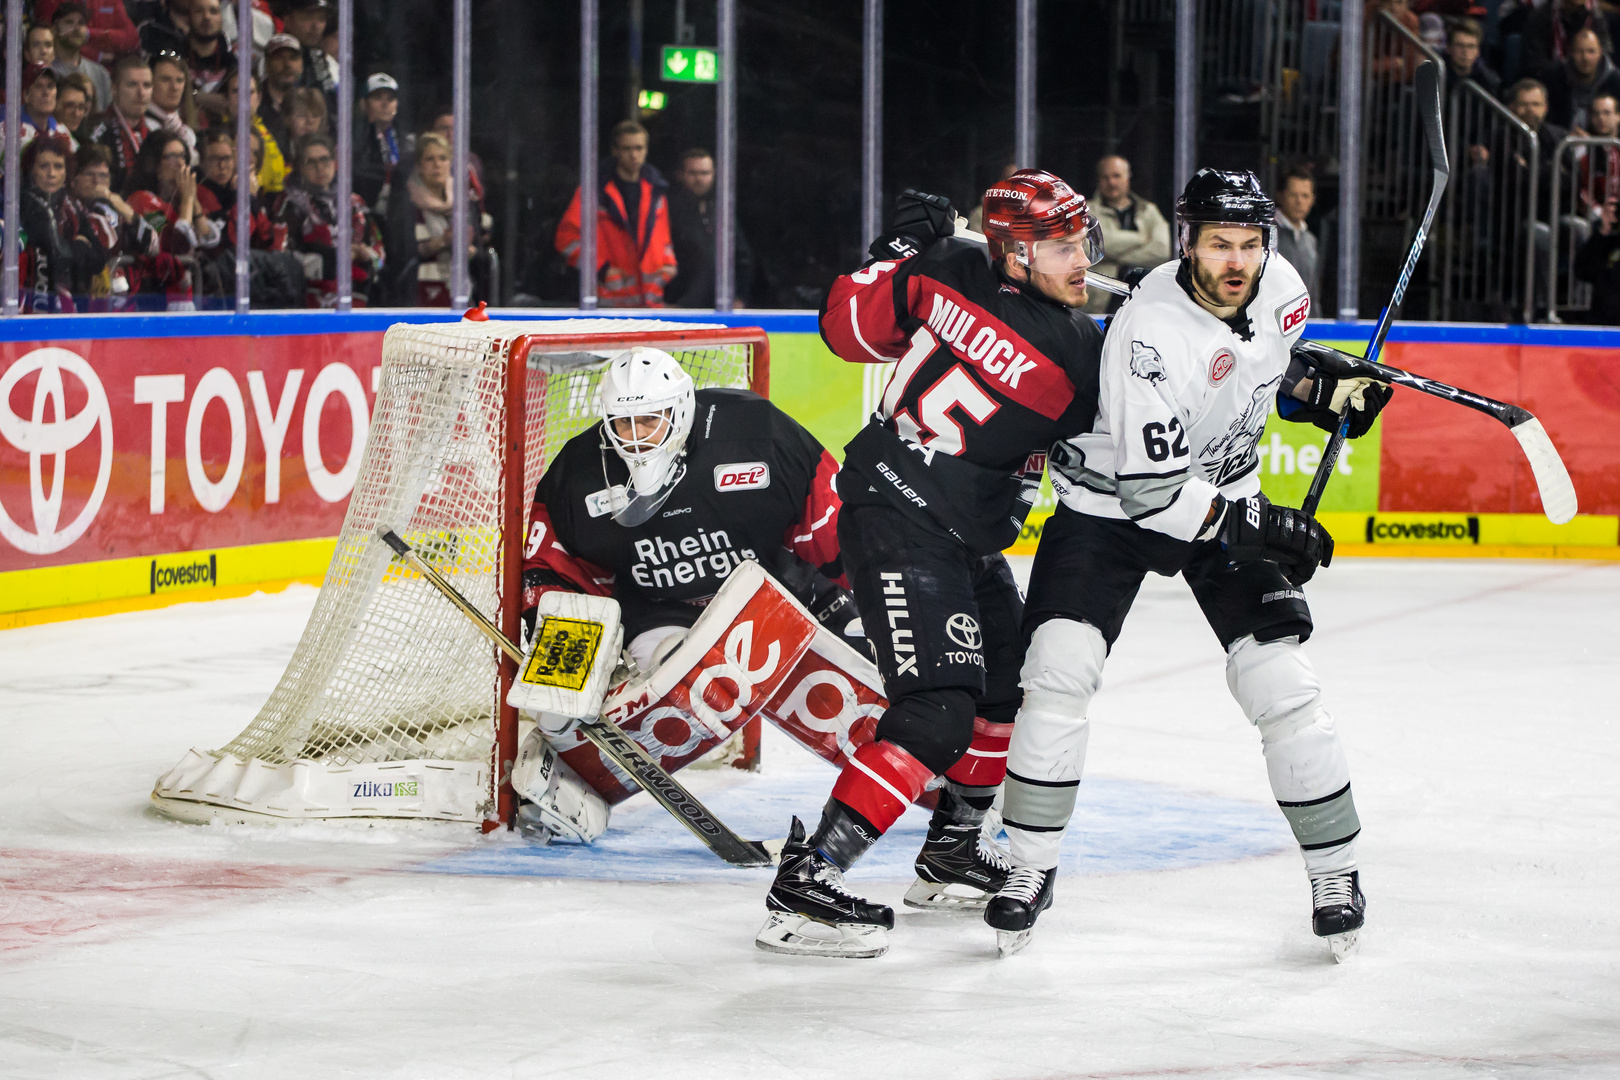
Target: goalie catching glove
{"points": [[1254, 529]]}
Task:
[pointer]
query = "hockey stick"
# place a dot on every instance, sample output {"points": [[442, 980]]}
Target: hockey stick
{"points": [[1428, 103], [624, 751], [1552, 479]]}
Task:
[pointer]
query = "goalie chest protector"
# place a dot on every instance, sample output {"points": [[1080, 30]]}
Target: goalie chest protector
{"points": [[749, 473]]}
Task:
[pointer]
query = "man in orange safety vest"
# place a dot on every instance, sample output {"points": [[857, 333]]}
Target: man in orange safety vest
{"points": [[634, 256]]}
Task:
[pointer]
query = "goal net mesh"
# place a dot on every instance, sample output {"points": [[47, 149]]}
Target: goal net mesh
{"points": [[387, 669]]}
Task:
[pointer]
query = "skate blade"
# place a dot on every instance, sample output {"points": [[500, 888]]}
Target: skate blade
{"points": [[1344, 945], [927, 896], [795, 935], [1011, 941]]}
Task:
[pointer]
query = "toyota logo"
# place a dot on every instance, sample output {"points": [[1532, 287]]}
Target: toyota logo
{"points": [[964, 630], [42, 436]]}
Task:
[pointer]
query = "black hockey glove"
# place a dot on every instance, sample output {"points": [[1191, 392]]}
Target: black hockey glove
{"points": [[1133, 275], [1326, 391], [919, 219], [835, 609], [1254, 529]]}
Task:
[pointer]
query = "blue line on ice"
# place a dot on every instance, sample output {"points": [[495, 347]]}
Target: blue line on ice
{"points": [[1119, 825]]}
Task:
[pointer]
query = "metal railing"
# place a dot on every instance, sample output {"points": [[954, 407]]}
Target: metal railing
{"points": [[1302, 114], [1577, 201], [1490, 227]]}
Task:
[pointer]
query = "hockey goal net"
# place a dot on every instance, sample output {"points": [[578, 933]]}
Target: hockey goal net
{"points": [[393, 704]]}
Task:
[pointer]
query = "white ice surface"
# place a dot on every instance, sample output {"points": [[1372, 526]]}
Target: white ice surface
{"points": [[1477, 701]]}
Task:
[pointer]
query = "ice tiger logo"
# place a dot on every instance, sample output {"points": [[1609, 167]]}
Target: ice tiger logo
{"points": [[1146, 363]]}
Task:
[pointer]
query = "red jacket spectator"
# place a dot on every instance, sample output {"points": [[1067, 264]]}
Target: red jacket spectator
{"points": [[111, 32], [634, 256]]}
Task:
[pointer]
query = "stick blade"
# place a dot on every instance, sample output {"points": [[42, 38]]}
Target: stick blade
{"points": [[1552, 479]]}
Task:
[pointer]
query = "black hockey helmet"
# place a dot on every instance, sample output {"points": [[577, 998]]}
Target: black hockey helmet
{"points": [[1225, 197]]}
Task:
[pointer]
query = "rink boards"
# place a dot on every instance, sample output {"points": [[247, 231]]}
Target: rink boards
{"points": [[154, 458]]}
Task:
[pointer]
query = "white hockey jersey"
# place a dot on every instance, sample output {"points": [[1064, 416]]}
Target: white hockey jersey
{"points": [[1182, 404]]}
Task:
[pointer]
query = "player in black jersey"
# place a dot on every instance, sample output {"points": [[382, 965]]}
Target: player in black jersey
{"points": [[657, 504], [996, 362]]}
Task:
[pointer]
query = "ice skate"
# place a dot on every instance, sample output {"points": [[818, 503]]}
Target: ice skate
{"points": [[813, 914], [1339, 911], [958, 869], [1014, 909]]}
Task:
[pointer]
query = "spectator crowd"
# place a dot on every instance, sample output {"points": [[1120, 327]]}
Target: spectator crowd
{"points": [[128, 165]]}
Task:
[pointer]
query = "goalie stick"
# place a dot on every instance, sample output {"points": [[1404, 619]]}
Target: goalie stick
{"points": [[622, 750], [1428, 104]]}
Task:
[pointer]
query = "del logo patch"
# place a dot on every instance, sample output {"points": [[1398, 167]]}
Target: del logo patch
{"points": [[564, 650], [742, 476], [1221, 366], [1292, 315]]}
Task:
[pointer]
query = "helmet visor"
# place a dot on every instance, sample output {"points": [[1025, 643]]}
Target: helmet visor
{"points": [[1067, 254]]}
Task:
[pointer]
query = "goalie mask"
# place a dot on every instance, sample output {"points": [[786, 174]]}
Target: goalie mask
{"points": [[647, 408]]}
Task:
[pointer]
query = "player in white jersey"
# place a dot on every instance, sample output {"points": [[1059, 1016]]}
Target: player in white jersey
{"points": [[1168, 481]]}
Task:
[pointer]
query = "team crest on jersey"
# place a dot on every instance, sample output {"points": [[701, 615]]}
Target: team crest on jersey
{"points": [[1146, 363], [1232, 453], [742, 476], [1292, 315], [609, 500], [1221, 366]]}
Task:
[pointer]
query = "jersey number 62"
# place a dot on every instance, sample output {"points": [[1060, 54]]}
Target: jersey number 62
{"points": [[1157, 439]]}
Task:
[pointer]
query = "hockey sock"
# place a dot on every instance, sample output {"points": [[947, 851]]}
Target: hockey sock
{"points": [[984, 766], [843, 835], [956, 808], [879, 782]]}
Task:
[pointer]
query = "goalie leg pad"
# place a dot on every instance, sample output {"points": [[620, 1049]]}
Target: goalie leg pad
{"points": [[1280, 694], [1047, 752], [563, 803]]}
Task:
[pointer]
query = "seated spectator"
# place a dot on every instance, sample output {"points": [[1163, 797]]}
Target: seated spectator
{"points": [[444, 126], [1389, 55], [272, 168], [310, 211], [110, 33], [421, 225], [306, 114], [39, 108], [1597, 262], [71, 28], [1463, 60], [305, 21], [1135, 234], [123, 128], [1585, 73], [110, 289], [634, 256], [1295, 241], [1549, 32], [163, 25], [163, 190], [1527, 98], [39, 45], [209, 57], [66, 245], [283, 71], [75, 101], [174, 103], [1597, 168], [376, 142], [275, 275], [691, 230]]}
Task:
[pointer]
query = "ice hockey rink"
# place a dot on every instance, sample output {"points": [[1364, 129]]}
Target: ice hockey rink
{"points": [[1477, 701]]}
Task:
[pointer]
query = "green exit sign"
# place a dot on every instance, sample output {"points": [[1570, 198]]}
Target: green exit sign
{"points": [[690, 63]]}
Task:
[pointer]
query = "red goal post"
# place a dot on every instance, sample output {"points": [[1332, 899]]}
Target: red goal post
{"points": [[518, 500]]}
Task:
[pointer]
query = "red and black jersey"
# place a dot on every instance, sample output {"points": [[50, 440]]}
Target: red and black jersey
{"points": [[990, 374], [757, 486]]}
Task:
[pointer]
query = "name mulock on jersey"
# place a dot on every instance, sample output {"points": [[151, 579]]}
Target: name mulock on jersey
{"points": [[988, 374]]}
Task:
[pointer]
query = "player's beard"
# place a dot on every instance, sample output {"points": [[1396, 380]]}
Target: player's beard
{"points": [[1211, 280]]}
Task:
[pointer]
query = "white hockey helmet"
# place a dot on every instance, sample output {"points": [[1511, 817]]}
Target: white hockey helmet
{"points": [[653, 400]]}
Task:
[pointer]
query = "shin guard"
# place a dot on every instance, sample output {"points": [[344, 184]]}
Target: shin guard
{"points": [[879, 782], [984, 766]]}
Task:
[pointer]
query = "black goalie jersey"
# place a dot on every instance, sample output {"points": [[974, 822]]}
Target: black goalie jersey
{"points": [[757, 486], [990, 375]]}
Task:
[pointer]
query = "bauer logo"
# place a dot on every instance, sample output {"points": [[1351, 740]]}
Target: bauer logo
{"points": [[742, 476], [193, 570], [564, 651], [1423, 529], [1292, 315]]}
